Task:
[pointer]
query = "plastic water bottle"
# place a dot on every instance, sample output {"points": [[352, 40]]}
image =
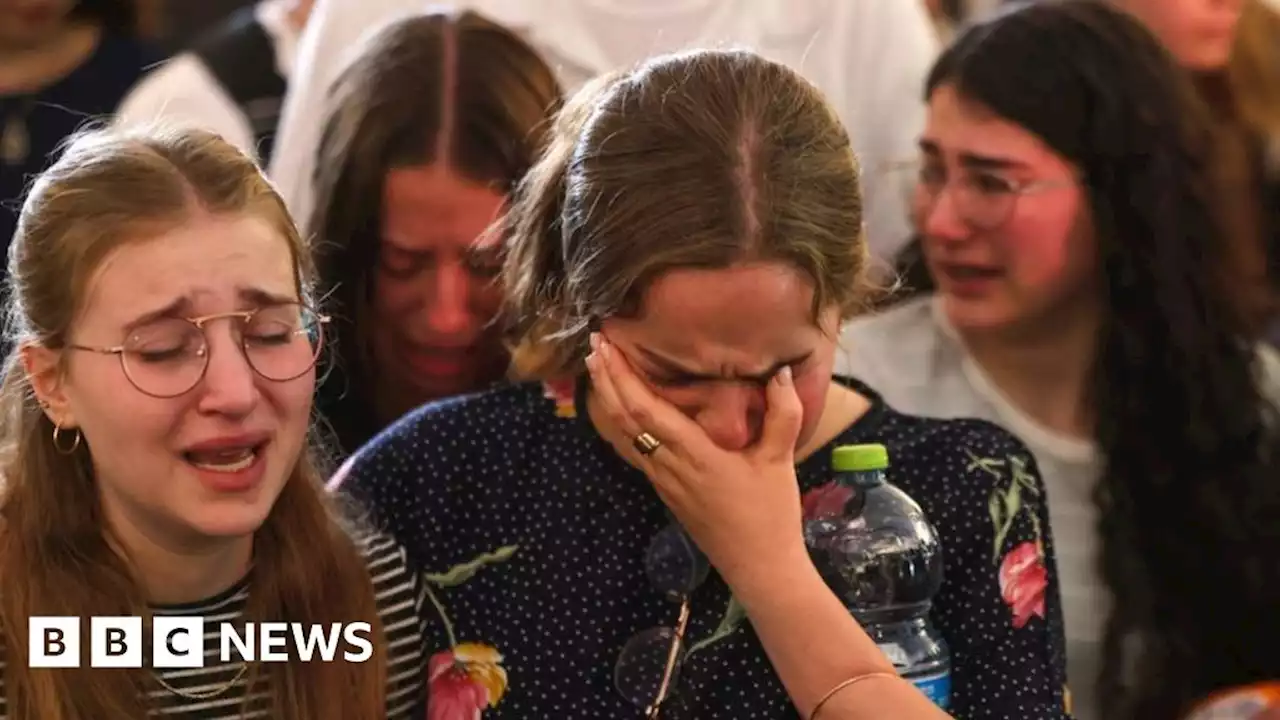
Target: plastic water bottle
{"points": [[877, 551], [1254, 702]]}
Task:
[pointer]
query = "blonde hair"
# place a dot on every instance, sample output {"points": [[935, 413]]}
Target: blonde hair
{"points": [[107, 189], [703, 159]]}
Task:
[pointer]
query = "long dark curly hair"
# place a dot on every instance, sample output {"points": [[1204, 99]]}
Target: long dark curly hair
{"points": [[1189, 498]]}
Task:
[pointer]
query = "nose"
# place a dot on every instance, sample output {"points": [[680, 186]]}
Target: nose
{"points": [[942, 221], [732, 415], [230, 385], [448, 308]]}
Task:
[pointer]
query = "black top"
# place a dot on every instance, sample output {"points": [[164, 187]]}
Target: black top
{"points": [[555, 525], [242, 56], [91, 92]]}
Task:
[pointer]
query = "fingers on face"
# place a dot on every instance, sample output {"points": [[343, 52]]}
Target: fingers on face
{"points": [[783, 416], [607, 391], [634, 409]]}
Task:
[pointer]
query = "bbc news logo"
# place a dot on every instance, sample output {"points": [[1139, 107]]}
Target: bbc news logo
{"points": [[179, 642]]}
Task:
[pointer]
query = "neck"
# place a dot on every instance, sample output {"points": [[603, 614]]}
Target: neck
{"points": [[1044, 371], [28, 68], [178, 573]]}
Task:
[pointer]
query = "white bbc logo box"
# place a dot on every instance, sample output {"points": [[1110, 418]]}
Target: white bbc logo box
{"points": [[55, 642]]}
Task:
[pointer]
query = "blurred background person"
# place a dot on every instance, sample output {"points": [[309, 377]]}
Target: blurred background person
{"points": [[428, 132], [1230, 47], [1069, 289], [62, 64], [232, 79], [867, 55], [949, 15]]}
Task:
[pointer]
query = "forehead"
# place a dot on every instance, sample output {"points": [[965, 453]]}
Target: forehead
{"points": [[956, 125], [422, 206], [751, 307], [208, 260]]}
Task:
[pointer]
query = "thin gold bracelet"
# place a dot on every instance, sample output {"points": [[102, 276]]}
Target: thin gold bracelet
{"points": [[846, 684]]}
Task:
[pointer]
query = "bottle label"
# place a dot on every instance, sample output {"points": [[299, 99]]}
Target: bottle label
{"points": [[936, 687], [1255, 702]]}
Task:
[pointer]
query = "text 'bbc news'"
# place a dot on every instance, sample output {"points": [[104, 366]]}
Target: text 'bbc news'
{"points": [[180, 642]]}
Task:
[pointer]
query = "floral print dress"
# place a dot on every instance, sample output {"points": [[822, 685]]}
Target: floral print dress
{"points": [[531, 532]]}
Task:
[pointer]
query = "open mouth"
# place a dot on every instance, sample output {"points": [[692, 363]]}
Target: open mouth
{"points": [[972, 272], [225, 460]]}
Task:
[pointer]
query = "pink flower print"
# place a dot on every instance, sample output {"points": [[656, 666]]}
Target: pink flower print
{"points": [[462, 682], [825, 501], [562, 393], [1023, 580]]}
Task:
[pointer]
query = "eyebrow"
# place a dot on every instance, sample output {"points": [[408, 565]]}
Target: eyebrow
{"points": [[671, 367], [974, 161], [182, 307], [394, 246]]}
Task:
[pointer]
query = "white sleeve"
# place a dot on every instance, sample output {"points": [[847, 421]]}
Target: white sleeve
{"points": [[184, 92], [334, 31], [893, 47]]}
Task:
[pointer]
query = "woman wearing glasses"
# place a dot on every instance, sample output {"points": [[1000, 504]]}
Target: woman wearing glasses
{"points": [[702, 216], [1067, 291], [155, 455]]}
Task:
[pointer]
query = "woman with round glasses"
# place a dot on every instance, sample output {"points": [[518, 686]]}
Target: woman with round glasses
{"points": [[700, 218], [1067, 291], [154, 448]]}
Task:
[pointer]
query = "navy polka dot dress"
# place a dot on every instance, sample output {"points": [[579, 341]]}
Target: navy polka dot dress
{"points": [[531, 534]]}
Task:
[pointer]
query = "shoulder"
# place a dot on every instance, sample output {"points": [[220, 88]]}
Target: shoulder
{"points": [[954, 444], [913, 317], [900, 344], [464, 420], [389, 566], [183, 87], [439, 437], [960, 462], [398, 595]]}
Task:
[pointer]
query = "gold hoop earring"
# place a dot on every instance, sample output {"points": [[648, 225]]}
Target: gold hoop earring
{"points": [[75, 444]]}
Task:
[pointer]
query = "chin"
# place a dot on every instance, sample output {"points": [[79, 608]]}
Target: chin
{"points": [[1208, 59], [976, 314], [229, 522]]}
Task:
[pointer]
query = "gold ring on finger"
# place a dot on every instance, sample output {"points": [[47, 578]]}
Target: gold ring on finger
{"points": [[646, 444]]}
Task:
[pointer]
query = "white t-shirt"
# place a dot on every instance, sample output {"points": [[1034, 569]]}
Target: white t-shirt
{"points": [[870, 57], [912, 356], [183, 91]]}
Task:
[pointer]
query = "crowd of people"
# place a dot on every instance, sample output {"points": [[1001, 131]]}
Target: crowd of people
{"points": [[442, 318]]}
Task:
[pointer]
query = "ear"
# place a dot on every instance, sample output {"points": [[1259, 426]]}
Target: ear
{"points": [[44, 372]]}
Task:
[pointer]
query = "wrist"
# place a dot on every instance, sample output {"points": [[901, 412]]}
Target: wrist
{"points": [[786, 570]]}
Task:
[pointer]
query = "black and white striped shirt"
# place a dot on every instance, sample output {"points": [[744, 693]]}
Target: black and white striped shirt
{"points": [[399, 602]]}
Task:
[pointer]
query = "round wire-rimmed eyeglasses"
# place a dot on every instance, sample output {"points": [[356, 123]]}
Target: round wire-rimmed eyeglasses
{"points": [[982, 199], [169, 356], [647, 671]]}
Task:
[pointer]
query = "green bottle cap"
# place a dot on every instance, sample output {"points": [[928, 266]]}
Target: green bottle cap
{"points": [[859, 458]]}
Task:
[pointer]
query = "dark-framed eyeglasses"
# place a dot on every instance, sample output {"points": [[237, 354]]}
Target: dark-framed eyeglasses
{"points": [[648, 667], [169, 356], [983, 199]]}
